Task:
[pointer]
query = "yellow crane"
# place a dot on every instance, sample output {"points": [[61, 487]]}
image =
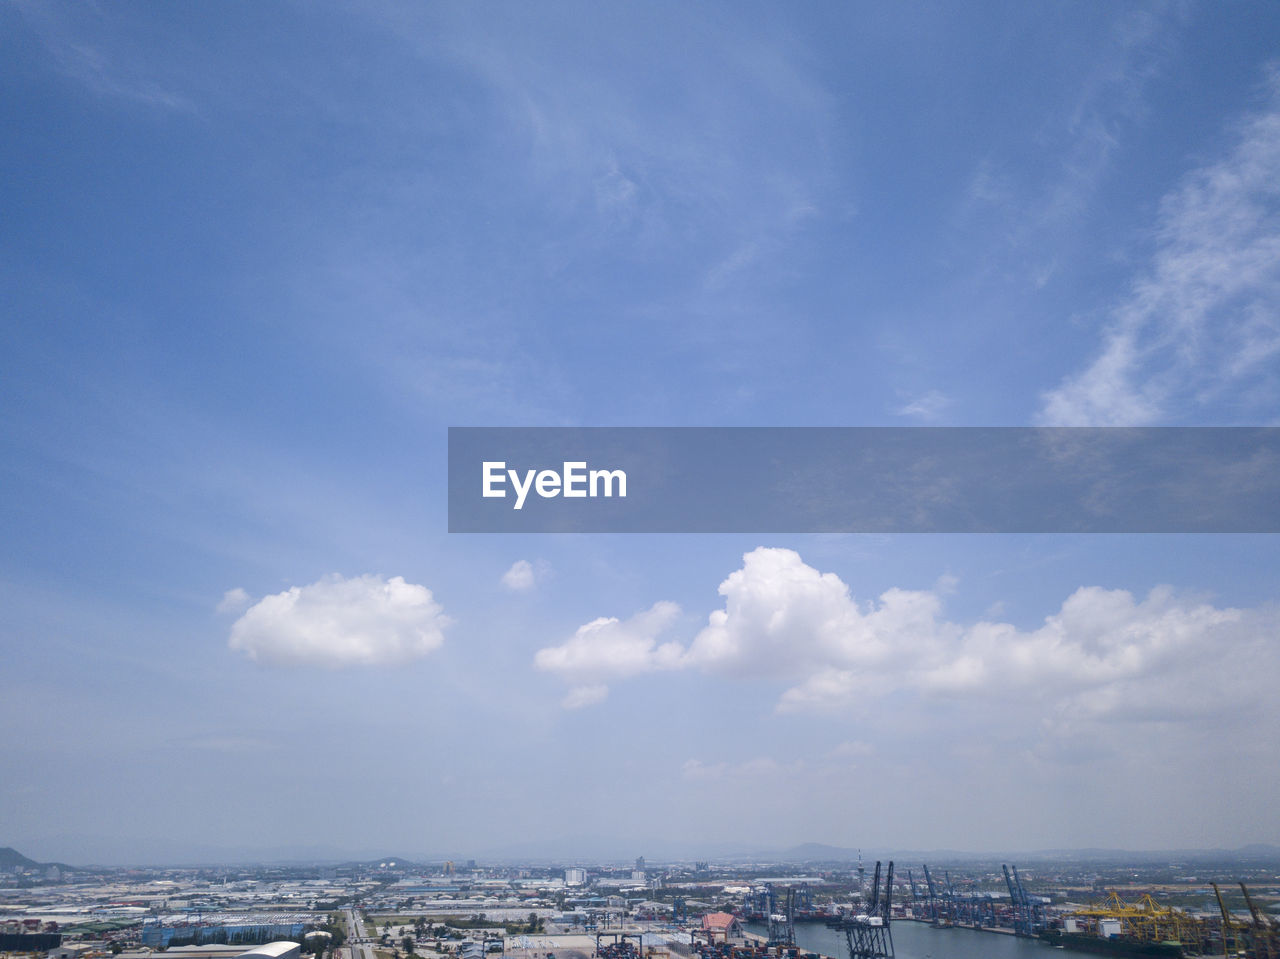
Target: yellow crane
{"points": [[1229, 925], [1148, 920], [1265, 934]]}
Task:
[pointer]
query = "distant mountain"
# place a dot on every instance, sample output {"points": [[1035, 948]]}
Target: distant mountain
{"points": [[11, 859], [1259, 850], [401, 862], [817, 852]]}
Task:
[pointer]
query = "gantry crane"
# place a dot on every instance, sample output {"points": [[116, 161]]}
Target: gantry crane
{"points": [[867, 933], [1265, 931]]}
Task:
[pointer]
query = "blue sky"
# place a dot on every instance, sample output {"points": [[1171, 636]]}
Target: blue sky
{"points": [[257, 259]]}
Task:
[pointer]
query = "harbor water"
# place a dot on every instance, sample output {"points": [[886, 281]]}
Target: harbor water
{"points": [[918, 940]]}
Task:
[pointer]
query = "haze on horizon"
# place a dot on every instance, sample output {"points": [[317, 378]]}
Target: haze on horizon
{"points": [[257, 259]]}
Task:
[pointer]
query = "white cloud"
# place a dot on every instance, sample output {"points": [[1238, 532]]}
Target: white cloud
{"points": [[783, 617], [519, 577], [1202, 320], [607, 648], [1103, 657], [827, 690], [364, 621], [927, 406], [234, 600]]}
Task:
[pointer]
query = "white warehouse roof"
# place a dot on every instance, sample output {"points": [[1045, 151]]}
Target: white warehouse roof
{"points": [[274, 950]]}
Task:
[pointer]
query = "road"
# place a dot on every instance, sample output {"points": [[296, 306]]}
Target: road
{"points": [[357, 942]]}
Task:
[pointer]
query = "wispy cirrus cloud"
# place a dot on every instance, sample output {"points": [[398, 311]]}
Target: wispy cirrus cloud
{"points": [[1199, 331], [105, 69], [1028, 210]]}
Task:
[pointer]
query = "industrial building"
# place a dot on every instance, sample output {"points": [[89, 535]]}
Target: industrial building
{"points": [[274, 950]]}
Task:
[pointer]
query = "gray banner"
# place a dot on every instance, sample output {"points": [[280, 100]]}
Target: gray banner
{"points": [[864, 480]]}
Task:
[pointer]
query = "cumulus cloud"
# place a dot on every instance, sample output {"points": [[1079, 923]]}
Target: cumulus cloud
{"points": [[519, 577], [783, 617], [609, 647], [1201, 320], [234, 600], [364, 621], [1103, 656]]}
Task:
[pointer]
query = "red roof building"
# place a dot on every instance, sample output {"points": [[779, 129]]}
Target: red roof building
{"points": [[721, 924]]}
